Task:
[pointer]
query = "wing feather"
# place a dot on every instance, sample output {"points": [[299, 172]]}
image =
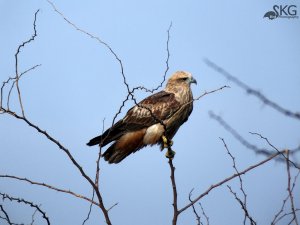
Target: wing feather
{"points": [[159, 106]]}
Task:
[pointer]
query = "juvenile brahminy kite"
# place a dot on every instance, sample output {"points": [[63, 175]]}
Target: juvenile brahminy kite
{"points": [[154, 120]]}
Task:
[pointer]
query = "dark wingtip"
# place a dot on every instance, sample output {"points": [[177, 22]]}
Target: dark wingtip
{"points": [[89, 144], [94, 141]]}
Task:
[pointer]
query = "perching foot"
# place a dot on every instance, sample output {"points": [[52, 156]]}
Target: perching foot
{"points": [[166, 142], [170, 153]]}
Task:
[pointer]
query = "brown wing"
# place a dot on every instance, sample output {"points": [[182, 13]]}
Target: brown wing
{"points": [[159, 106], [151, 110]]}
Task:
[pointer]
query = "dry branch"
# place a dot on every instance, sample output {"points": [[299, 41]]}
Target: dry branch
{"points": [[293, 209], [253, 92], [50, 187], [16, 61], [248, 145], [226, 180], [174, 188], [198, 219], [31, 204], [244, 202]]}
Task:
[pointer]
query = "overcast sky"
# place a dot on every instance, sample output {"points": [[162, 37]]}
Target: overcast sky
{"points": [[79, 84]]}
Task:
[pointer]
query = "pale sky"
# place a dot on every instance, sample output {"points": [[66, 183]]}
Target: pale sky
{"points": [[79, 84]]}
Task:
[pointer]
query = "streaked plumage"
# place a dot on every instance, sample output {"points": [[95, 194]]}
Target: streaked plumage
{"points": [[140, 127]]}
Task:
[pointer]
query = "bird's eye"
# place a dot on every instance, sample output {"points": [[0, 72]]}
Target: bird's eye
{"points": [[184, 78]]}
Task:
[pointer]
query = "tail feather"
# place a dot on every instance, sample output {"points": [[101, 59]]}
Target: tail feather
{"points": [[95, 141], [124, 146], [108, 136], [113, 155]]}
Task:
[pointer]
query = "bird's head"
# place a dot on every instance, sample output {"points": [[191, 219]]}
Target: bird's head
{"points": [[182, 77]]}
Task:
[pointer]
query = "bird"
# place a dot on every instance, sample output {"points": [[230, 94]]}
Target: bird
{"points": [[154, 120]]}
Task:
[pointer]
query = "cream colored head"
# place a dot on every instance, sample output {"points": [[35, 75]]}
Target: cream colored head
{"points": [[181, 77]]}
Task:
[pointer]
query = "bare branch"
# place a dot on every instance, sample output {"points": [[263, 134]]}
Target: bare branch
{"points": [[97, 39], [226, 180], [194, 209], [251, 91], [244, 142], [31, 204], [14, 82], [76, 164], [290, 190], [174, 188], [33, 215], [276, 217], [276, 149], [99, 157], [204, 214], [244, 202], [97, 176], [90, 209], [210, 92], [166, 71], [110, 208], [16, 61], [6, 217], [244, 207], [284, 215], [50, 187]]}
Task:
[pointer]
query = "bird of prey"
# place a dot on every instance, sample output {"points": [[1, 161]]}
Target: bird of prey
{"points": [[154, 120]]}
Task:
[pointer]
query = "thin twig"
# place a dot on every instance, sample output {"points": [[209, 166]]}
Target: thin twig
{"points": [[210, 92], [226, 180], [6, 216], [16, 61], [50, 187], [14, 82], [251, 91], [90, 209], [244, 202], [276, 149], [243, 207], [204, 214], [198, 219], [166, 70], [96, 38], [70, 156], [290, 190], [284, 215], [110, 208], [237, 136], [96, 177], [33, 215], [248, 145], [276, 217], [31, 204], [4, 83]]}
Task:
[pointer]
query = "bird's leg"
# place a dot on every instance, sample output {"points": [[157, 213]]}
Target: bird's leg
{"points": [[167, 144]]}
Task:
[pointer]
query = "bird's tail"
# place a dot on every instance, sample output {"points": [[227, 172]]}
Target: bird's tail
{"points": [[95, 141], [108, 136], [114, 155], [127, 144]]}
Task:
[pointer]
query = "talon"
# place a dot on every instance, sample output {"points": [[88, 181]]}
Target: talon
{"points": [[166, 142], [170, 154]]}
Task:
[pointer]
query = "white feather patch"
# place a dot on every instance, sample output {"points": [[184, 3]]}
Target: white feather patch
{"points": [[153, 134]]}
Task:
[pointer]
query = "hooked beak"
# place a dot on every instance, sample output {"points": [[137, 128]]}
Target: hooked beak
{"points": [[193, 81]]}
